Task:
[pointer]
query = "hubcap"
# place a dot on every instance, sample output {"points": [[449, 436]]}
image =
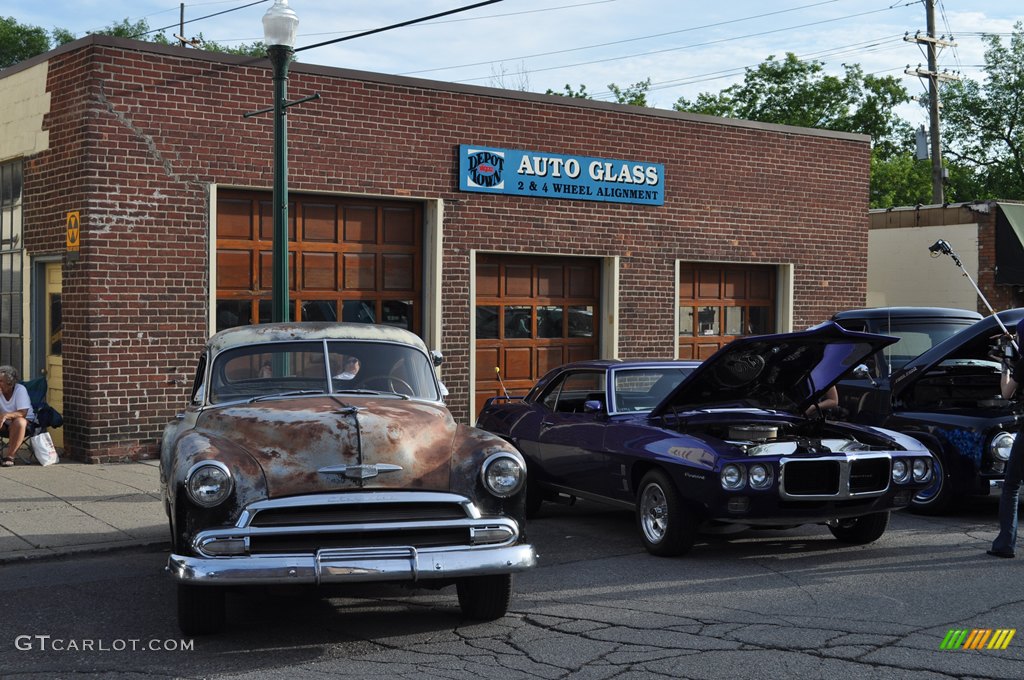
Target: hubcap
{"points": [[654, 513]]}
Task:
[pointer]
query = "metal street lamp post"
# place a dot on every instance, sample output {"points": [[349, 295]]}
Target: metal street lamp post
{"points": [[279, 25]]}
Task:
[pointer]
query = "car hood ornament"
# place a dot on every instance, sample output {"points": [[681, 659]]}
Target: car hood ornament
{"points": [[359, 471]]}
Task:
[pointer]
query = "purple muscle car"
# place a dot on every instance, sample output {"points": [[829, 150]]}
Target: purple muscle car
{"points": [[727, 440]]}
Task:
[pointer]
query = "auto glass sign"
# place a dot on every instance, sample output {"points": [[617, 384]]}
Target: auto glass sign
{"points": [[581, 178]]}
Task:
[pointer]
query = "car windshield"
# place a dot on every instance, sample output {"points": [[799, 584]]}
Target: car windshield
{"points": [[917, 338], [315, 367], [641, 389]]}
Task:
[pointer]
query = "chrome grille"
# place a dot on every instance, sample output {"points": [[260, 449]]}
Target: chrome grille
{"points": [[356, 513], [831, 478], [414, 520]]}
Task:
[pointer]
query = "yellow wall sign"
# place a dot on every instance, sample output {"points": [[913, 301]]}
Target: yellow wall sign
{"points": [[74, 230]]}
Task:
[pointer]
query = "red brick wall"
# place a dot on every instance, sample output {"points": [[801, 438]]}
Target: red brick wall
{"points": [[138, 136]]}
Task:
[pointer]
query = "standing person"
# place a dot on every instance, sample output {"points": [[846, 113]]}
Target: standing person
{"points": [[1005, 544], [17, 419]]}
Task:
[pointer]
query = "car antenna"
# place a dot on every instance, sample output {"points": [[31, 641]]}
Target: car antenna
{"points": [[497, 372], [941, 247]]}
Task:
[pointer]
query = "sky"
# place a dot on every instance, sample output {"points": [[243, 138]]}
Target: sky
{"points": [[684, 47]]}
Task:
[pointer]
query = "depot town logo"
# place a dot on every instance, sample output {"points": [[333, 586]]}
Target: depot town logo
{"points": [[485, 168], [978, 638]]}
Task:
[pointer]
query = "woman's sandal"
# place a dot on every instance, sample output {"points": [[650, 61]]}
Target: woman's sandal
{"points": [[7, 462]]}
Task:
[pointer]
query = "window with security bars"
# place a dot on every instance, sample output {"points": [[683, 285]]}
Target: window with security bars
{"points": [[11, 247]]}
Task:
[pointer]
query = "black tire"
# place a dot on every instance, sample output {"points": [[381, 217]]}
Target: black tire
{"points": [[860, 530], [200, 609], [485, 598], [667, 527], [936, 499]]}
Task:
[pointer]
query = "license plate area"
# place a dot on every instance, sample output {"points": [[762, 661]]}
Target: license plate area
{"points": [[338, 565]]}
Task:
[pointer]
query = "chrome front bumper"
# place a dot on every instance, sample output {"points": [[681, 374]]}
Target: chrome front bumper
{"points": [[352, 565]]}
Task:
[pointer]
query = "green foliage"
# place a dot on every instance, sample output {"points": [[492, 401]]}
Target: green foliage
{"points": [[634, 95], [569, 92], [18, 42], [982, 122], [899, 179], [795, 92]]}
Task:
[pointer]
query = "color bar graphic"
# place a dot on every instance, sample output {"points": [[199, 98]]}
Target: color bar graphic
{"points": [[978, 638]]}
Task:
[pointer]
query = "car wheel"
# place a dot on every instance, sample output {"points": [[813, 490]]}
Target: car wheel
{"points": [[667, 526], [485, 598], [936, 498], [860, 530], [200, 609]]}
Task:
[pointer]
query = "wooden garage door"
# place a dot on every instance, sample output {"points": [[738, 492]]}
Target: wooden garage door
{"points": [[720, 302], [348, 260], [532, 314]]}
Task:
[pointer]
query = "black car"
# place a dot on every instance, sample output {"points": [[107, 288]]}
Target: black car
{"points": [[918, 329], [947, 396]]}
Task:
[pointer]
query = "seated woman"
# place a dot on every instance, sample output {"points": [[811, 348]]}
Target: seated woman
{"points": [[17, 419], [349, 369]]}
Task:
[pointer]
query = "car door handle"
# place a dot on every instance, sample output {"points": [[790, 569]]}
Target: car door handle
{"points": [[547, 423]]}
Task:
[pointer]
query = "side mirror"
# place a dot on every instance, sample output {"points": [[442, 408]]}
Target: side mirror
{"points": [[436, 357], [592, 406], [864, 373]]}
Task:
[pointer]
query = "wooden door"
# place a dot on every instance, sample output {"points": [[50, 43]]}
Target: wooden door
{"points": [[54, 333], [533, 313]]}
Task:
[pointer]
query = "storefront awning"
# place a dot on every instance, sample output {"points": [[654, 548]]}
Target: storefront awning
{"points": [[1010, 244]]}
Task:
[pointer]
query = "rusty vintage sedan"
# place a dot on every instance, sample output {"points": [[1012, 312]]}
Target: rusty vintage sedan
{"points": [[320, 454]]}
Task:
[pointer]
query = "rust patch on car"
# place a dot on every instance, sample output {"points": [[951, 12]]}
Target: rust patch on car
{"points": [[293, 439]]}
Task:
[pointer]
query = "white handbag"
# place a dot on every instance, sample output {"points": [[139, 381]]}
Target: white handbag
{"points": [[43, 448]]}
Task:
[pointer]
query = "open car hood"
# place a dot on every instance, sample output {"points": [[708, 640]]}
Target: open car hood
{"points": [[972, 343], [786, 372]]}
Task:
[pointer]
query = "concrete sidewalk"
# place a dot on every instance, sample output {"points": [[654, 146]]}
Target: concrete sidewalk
{"points": [[75, 507]]}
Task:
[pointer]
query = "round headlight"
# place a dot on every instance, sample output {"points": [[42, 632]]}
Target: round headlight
{"points": [[922, 470], [208, 483], [900, 471], [760, 476], [732, 477], [503, 474], [1001, 445]]}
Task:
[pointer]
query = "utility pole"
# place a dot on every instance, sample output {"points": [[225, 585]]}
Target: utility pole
{"points": [[933, 44]]}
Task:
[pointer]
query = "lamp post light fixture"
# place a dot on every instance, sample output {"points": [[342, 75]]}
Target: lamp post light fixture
{"points": [[279, 25]]}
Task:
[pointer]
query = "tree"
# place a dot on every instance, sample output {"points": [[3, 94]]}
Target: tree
{"points": [[19, 42], [633, 95], [982, 123], [795, 92]]}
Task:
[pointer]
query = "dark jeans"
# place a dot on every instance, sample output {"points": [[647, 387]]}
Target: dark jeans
{"points": [[1006, 541]]}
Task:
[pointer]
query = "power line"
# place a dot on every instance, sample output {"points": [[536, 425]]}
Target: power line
{"points": [[627, 40], [684, 47], [208, 16], [876, 44], [398, 25]]}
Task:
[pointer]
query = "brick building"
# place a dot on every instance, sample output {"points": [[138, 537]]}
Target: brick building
{"points": [[986, 237], [507, 229]]}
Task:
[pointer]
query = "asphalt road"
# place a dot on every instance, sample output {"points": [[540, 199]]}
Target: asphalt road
{"points": [[759, 604]]}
